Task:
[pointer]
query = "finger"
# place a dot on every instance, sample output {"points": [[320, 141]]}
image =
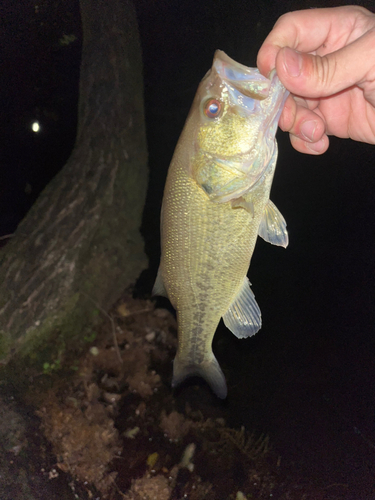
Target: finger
{"points": [[306, 128], [313, 29], [311, 148], [314, 76], [301, 121]]}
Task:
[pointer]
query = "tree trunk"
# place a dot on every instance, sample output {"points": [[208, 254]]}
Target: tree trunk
{"points": [[80, 243]]}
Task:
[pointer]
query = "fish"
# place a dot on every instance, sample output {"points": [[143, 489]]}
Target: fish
{"points": [[216, 202]]}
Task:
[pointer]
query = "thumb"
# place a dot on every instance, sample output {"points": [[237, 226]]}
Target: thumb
{"points": [[312, 76]]}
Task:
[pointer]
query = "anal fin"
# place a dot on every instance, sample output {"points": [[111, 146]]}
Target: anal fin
{"points": [[243, 318]]}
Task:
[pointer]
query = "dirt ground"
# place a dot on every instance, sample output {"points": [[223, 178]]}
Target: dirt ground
{"points": [[113, 428]]}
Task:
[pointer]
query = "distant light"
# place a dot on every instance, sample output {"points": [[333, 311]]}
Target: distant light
{"points": [[35, 127]]}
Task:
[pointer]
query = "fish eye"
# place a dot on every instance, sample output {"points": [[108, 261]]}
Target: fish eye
{"points": [[212, 108]]}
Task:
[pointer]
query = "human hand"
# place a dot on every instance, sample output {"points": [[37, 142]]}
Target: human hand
{"points": [[326, 59]]}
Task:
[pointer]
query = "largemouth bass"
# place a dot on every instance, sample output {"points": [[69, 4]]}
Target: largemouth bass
{"points": [[216, 203]]}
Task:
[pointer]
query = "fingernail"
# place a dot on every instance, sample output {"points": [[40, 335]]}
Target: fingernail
{"points": [[292, 61], [316, 147], [308, 129]]}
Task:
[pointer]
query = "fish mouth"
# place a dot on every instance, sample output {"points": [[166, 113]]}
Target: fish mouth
{"points": [[246, 80], [247, 87]]}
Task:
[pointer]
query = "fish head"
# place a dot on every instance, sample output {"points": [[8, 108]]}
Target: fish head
{"points": [[233, 123]]}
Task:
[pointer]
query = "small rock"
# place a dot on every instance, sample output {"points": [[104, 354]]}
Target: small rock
{"points": [[187, 456], [162, 313], [131, 433], [150, 336], [111, 398]]}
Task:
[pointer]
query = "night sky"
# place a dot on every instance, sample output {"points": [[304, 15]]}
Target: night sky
{"points": [[40, 47], [308, 377]]}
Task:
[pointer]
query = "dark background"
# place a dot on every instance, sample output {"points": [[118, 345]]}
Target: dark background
{"points": [[308, 377]]}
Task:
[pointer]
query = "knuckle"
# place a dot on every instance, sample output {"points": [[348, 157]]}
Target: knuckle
{"points": [[324, 69], [283, 18]]}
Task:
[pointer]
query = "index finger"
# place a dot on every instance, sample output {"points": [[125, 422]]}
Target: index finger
{"points": [[318, 31]]}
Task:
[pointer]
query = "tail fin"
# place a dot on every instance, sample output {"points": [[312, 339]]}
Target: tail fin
{"points": [[209, 369]]}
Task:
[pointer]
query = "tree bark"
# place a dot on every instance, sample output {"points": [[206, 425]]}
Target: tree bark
{"points": [[80, 243]]}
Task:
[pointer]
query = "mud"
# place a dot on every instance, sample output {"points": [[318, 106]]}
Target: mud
{"points": [[111, 427]]}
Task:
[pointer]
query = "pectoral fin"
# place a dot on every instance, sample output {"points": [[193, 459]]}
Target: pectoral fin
{"points": [[243, 317], [242, 203], [159, 288], [272, 227]]}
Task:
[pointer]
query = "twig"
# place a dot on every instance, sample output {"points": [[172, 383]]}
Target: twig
{"points": [[6, 236], [133, 313], [117, 349], [336, 485], [118, 490]]}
